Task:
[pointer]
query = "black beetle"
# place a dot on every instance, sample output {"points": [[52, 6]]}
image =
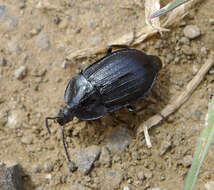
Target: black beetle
{"points": [[116, 81]]}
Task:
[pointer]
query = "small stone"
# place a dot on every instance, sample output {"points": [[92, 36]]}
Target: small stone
{"points": [[158, 45], [48, 177], [170, 57], [209, 185], [187, 161], [72, 167], [10, 177], [57, 20], [187, 50], [135, 155], [162, 177], [204, 50], [13, 120], [156, 188], [211, 72], [42, 41], [192, 31], [86, 157], [118, 140], [21, 72], [141, 175], [211, 21], [48, 167], [184, 40], [27, 139], [177, 59], [34, 32], [165, 146], [21, 4], [126, 188]]}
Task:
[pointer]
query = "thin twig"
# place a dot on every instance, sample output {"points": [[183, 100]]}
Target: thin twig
{"points": [[177, 102]]}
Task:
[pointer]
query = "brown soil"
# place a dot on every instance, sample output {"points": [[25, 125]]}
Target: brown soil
{"points": [[25, 102]]}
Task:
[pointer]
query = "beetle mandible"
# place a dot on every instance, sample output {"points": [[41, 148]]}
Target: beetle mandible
{"points": [[116, 81]]}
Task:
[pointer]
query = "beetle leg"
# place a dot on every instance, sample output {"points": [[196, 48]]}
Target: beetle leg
{"points": [[133, 110], [109, 49], [118, 119], [64, 144]]}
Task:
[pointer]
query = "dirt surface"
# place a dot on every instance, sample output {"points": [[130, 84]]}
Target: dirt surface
{"points": [[33, 77]]}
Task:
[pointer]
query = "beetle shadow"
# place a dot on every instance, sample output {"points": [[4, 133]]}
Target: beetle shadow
{"points": [[95, 132]]}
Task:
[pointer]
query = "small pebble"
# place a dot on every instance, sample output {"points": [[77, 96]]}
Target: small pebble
{"points": [[165, 146], [156, 188], [21, 72], [170, 57], [158, 45], [184, 40], [177, 59], [135, 155], [48, 177], [141, 175], [48, 167], [126, 188], [187, 161], [57, 20], [204, 50], [86, 157], [211, 21], [21, 4], [42, 41], [211, 72], [72, 167], [27, 140], [192, 31]]}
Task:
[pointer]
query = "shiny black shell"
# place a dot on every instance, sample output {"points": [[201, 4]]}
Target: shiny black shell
{"points": [[118, 80]]}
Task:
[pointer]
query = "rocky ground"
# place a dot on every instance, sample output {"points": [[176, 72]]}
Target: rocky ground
{"points": [[105, 153]]}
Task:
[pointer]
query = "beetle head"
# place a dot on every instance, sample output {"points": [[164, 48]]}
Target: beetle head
{"points": [[64, 116]]}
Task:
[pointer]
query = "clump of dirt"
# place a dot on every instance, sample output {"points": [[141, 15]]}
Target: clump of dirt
{"points": [[34, 74]]}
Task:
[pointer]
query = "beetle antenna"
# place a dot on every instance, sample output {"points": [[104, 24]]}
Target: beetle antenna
{"points": [[46, 123], [64, 144]]}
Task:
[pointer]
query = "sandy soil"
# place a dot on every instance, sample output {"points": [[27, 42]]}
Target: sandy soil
{"points": [[33, 77]]}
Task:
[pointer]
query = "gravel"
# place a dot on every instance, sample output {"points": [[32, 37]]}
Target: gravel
{"points": [[10, 177], [86, 157], [192, 31], [21, 72], [42, 41]]}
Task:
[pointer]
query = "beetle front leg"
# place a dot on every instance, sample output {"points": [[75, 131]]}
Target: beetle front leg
{"points": [[109, 49]]}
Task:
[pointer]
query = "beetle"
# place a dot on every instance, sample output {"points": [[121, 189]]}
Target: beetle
{"points": [[119, 79]]}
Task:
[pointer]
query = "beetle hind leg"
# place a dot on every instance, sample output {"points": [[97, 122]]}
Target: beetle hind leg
{"points": [[109, 48], [118, 119]]}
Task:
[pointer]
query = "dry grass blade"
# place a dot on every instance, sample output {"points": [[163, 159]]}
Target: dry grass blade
{"points": [[182, 98]]}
